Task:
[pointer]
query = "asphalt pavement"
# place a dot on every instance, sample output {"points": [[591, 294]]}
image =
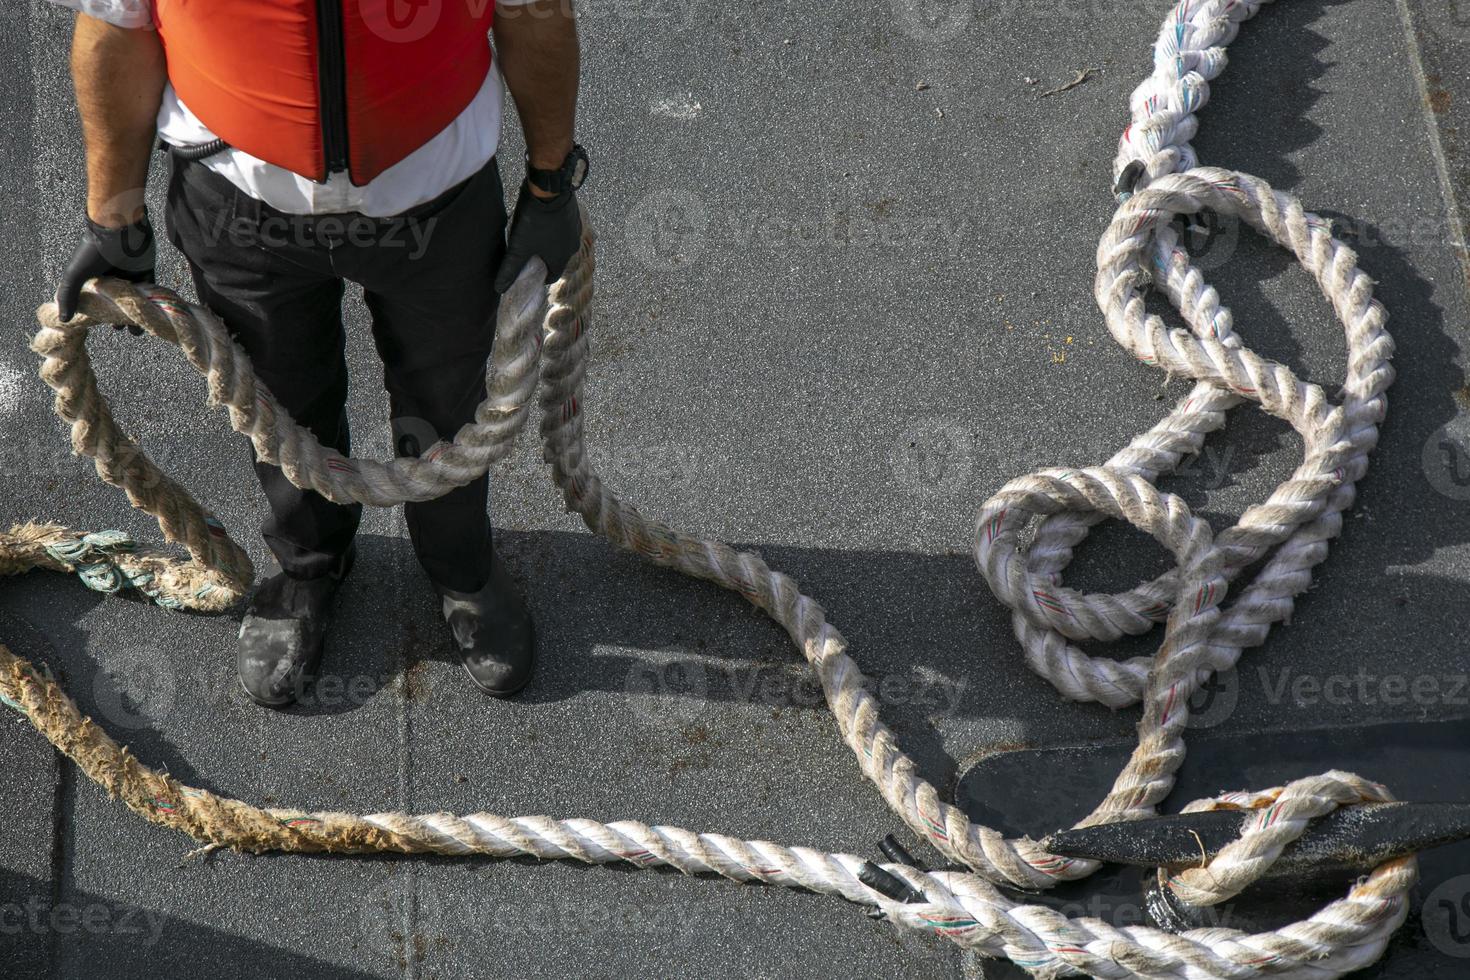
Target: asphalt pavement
{"points": [[846, 255]]}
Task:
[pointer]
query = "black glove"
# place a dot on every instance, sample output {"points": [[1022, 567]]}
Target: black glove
{"points": [[127, 253], [547, 227]]}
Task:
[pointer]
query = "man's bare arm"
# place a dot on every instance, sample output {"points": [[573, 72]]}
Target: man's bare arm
{"points": [[541, 59], [119, 74]]}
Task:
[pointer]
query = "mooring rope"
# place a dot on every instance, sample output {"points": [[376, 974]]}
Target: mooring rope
{"points": [[541, 344]]}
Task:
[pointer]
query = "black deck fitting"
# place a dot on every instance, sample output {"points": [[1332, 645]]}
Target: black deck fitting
{"points": [[881, 881], [1354, 838], [897, 853]]}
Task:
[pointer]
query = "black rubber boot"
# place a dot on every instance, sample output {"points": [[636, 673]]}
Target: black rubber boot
{"points": [[281, 637], [493, 631]]}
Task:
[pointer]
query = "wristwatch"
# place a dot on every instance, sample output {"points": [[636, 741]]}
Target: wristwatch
{"points": [[567, 177]]}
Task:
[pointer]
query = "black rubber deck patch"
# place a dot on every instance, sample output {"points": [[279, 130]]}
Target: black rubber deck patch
{"points": [[1038, 791]]}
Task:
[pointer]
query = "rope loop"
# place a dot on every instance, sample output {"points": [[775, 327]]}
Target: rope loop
{"points": [[1271, 819]]}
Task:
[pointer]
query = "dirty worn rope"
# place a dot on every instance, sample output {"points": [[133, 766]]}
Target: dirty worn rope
{"points": [[542, 346]]}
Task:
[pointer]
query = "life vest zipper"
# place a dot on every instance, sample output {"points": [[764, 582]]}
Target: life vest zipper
{"points": [[332, 73]]}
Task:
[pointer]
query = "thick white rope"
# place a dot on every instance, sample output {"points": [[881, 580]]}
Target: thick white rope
{"points": [[1293, 526]]}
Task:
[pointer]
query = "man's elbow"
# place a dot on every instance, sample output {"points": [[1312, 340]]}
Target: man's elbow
{"points": [[97, 40]]}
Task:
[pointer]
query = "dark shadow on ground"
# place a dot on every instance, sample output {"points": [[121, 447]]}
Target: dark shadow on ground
{"points": [[125, 941], [1257, 115]]}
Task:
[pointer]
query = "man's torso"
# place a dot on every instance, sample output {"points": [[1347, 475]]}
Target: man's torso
{"points": [[452, 155]]}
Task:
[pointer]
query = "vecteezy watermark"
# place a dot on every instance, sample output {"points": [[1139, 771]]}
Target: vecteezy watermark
{"points": [[1214, 701], [215, 682], [667, 229], [409, 233], [403, 917], [1446, 458], [407, 917], [327, 691], [1445, 915], [136, 687], [840, 230], [407, 21], [631, 462], [670, 690], [1365, 687], [1205, 240], [553, 914], [335, 691], [1125, 913], [666, 690], [1394, 230], [1211, 239], [412, 435], [936, 455], [1217, 698], [637, 462], [1210, 467], [932, 21], [670, 229], [38, 916], [932, 456]]}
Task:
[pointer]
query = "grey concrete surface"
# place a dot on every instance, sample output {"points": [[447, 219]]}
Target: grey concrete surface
{"points": [[836, 311]]}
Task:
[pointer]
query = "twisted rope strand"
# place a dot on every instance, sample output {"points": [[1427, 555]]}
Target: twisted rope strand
{"points": [[541, 351]]}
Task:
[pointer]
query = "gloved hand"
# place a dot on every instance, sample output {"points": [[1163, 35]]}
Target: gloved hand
{"points": [[127, 253], [547, 227]]}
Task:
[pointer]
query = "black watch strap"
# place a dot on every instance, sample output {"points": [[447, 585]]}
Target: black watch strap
{"points": [[568, 177]]}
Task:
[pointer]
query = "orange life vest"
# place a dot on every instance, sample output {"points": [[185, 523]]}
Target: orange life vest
{"points": [[317, 86]]}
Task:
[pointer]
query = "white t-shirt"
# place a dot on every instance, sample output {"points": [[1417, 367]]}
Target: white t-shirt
{"points": [[455, 153]]}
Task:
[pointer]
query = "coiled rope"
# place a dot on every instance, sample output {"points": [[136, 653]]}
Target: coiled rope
{"points": [[541, 345]]}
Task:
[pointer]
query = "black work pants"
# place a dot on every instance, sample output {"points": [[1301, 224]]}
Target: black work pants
{"points": [[277, 281]]}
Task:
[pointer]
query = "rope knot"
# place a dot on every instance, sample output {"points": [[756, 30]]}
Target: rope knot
{"points": [[93, 557], [1272, 820]]}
